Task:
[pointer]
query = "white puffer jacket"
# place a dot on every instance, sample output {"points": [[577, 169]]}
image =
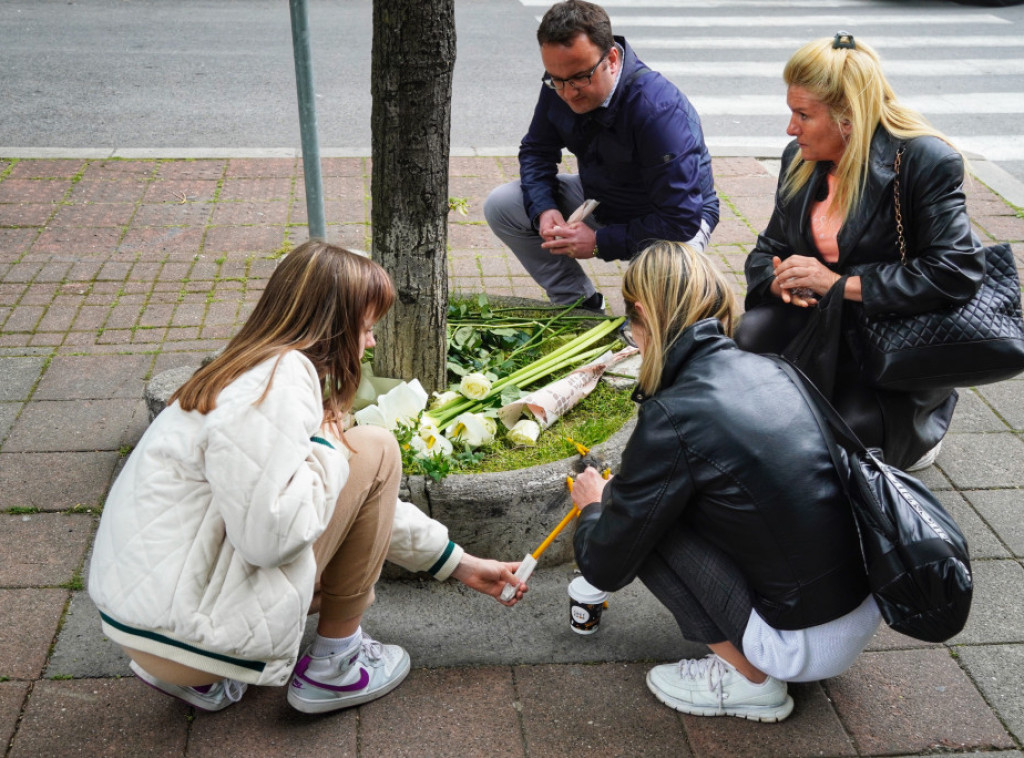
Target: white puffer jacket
{"points": [[203, 554]]}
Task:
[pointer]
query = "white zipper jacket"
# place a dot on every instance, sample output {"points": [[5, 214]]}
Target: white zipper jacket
{"points": [[204, 551]]}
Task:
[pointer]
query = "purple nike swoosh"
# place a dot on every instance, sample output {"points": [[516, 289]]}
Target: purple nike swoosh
{"points": [[364, 679]]}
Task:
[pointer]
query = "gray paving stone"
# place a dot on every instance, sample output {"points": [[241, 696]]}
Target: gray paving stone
{"points": [[1007, 398], [974, 415], [980, 461], [998, 671], [82, 651], [8, 412], [75, 425], [27, 554], [94, 377], [933, 476], [604, 709], [12, 696], [18, 376], [28, 621], [913, 701], [982, 542], [264, 725], [986, 754], [1004, 512], [997, 608], [55, 481], [447, 713], [93, 717]]}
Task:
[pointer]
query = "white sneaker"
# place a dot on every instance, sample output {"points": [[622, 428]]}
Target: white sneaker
{"points": [[711, 687], [334, 682], [213, 697], [927, 459]]}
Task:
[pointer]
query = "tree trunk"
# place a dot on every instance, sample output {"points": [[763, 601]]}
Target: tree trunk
{"points": [[413, 62]]}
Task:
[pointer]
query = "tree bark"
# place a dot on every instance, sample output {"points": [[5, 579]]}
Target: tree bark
{"points": [[412, 68]]}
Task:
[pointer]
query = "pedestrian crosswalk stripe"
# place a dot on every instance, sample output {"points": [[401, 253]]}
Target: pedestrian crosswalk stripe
{"points": [[773, 105], [969, 67], [991, 147], [792, 43], [822, 22], [700, 4]]}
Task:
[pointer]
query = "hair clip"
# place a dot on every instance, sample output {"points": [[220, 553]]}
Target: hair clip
{"points": [[843, 40]]}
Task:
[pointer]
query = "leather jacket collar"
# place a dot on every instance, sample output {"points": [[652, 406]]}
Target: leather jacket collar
{"points": [[696, 340]]}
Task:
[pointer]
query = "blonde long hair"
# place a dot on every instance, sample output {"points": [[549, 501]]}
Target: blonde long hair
{"points": [[675, 286], [316, 302], [850, 82]]}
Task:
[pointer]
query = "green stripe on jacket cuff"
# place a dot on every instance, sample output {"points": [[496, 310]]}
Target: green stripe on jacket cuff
{"points": [[439, 563]]}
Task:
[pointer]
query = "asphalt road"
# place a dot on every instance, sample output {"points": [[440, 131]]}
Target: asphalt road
{"points": [[219, 74]]}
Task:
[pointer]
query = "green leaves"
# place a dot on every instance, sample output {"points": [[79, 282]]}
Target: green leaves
{"points": [[513, 348]]}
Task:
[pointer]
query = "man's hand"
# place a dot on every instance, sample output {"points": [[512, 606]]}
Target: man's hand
{"points": [[575, 240], [588, 488], [489, 577], [548, 221]]}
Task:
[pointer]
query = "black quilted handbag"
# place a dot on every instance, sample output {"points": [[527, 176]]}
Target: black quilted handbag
{"points": [[979, 342], [915, 554]]}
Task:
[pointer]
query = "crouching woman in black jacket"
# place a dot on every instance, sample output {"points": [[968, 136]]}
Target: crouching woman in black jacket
{"points": [[727, 505]]}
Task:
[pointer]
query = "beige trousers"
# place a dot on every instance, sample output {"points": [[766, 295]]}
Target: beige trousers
{"points": [[351, 552]]}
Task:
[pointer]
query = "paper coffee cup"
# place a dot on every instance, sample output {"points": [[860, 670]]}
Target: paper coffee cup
{"points": [[585, 605]]}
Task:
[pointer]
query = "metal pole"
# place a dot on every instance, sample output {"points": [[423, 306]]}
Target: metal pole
{"points": [[307, 121]]}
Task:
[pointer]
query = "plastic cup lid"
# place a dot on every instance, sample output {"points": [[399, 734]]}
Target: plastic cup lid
{"points": [[583, 591]]}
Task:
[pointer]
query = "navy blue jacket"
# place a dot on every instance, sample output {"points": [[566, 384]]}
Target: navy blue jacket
{"points": [[643, 157]]}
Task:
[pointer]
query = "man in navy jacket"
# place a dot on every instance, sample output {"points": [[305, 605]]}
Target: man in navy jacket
{"points": [[640, 151]]}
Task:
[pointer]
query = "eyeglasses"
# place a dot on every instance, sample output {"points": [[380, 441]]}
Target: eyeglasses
{"points": [[576, 82], [626, 333]]}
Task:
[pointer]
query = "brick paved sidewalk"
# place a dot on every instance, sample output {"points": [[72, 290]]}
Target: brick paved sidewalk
{"points": [[112, 271]]}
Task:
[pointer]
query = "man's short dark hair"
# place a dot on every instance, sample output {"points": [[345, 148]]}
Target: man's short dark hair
{"points": [[565, 21]]}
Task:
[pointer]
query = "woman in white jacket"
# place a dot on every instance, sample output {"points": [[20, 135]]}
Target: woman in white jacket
{"points": [[245, 505]]}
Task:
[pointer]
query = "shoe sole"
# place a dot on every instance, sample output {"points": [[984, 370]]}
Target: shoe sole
{"points": [[767, 714], [181, 695], [327, 705]]}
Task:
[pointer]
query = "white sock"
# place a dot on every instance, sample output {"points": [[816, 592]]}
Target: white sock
{"points": [[326, 646]]}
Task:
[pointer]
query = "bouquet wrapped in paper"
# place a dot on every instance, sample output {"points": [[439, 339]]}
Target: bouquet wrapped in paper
{"points": [[551, 402]]}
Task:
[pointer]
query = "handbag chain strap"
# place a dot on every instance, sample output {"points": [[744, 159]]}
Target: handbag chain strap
{"points": [[896, 200]]}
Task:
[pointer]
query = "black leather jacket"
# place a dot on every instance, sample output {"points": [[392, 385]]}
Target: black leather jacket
{"points": [[945, 264], [727, 447]]}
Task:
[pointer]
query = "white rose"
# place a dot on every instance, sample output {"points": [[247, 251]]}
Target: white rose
{"points": [[443, 398], [429, 442], [525, 432], [472, 429], [475, 386]]}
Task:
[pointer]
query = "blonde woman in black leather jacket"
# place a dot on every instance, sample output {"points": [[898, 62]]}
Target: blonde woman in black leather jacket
{"points": [[835, 217], [727, 505]]}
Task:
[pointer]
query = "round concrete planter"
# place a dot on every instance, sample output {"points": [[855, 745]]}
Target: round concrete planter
{"points": [[503, 515], [507, 514]]}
